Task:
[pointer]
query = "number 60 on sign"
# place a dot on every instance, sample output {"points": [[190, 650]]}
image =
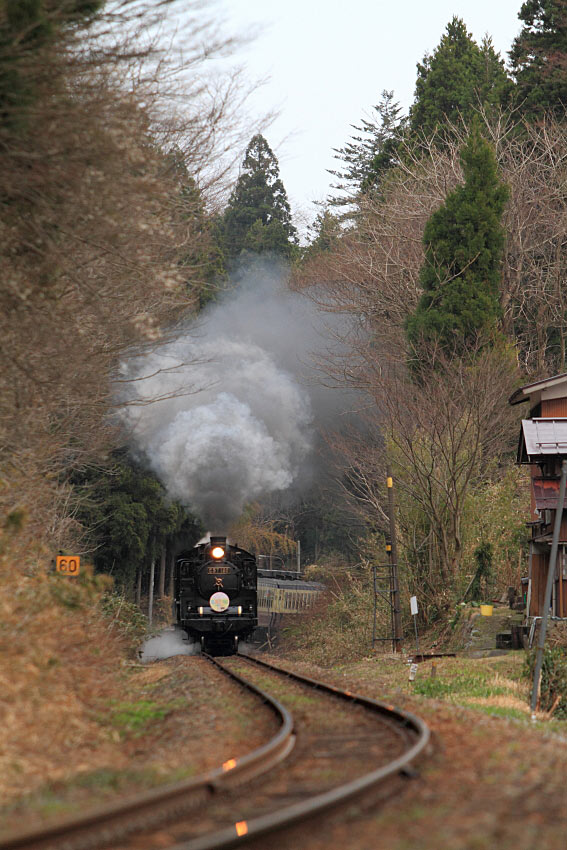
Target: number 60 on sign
{"points": [[68, 565]]}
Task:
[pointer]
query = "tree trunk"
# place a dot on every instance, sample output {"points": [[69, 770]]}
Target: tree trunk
{"points": [[171, 590], [151, 591], [161, 582], [171, 573], [139, 587]]}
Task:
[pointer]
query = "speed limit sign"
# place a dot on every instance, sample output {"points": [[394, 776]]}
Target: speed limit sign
{"points": [[68, 565]]}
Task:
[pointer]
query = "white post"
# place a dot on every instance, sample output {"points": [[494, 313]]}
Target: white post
{"points": [[413, 609]]}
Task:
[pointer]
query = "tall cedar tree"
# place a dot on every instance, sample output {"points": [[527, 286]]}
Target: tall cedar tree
{"points": [[258, 215], [456, 80], [539, 57], [130, 517], [464, 241], [369, 155]]}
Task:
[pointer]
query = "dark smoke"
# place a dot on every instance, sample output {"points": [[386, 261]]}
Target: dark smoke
{"points": [[242, 400]]}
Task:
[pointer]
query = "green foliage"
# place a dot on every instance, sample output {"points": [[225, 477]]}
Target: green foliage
{"points": [[26, 19], [258, 215], [553, 678], [133, 718], [125, 618], [130, 518], [369, 155], [539, 58], [270, 238], [204, 262], [470, 684], [458, 79], [433, 688], [15, 521], [325, 233], [464, 241], [483, 559], [495, 515], [497, 510]]}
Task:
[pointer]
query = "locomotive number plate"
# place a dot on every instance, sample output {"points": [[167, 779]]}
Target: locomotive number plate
{"points": [[219, 571]]}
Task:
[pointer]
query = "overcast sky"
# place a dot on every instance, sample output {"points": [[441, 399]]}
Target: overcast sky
{"points": [[328, 62]]}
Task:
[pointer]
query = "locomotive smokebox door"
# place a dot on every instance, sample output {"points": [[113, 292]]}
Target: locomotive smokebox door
{"points": [[217, 576]]}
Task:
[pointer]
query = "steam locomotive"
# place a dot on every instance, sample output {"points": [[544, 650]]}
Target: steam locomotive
{"points": [[215, 594]]}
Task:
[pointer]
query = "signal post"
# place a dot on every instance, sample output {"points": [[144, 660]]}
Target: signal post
{"points": [[392, 549]]}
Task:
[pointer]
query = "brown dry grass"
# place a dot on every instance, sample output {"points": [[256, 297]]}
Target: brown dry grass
{"points": [[62, 665], [80, 718], [490, 783]]}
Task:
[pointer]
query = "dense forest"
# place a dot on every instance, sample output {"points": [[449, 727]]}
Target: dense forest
{"points": [[443, 247]]}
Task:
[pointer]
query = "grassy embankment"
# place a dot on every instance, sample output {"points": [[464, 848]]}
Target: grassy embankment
{"points": [[81, 718], [338, 638]]}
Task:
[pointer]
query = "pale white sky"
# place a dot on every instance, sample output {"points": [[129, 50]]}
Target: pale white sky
{"points": [[329, 61]]}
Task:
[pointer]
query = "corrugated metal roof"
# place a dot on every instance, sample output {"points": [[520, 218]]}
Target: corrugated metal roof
{"points": [[542, 437]]}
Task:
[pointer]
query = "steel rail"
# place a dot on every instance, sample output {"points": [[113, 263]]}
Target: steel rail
{"points": [[101, 826], [244, 832]]}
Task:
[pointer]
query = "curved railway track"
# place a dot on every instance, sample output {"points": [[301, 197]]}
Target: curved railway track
{"points": [[324, 771], [109, 825], [304, 802]]}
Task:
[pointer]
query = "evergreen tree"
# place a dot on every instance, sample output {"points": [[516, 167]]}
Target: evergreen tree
{"points": [[201, 257], [258, 215], [129, 517], [325, 232], [459, 77], [464, 241], [539, 57], [369, 155], [270, 238], [204, 261]]}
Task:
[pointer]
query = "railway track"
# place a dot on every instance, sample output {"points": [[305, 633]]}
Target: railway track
{"points": [[278, 805], [108, 826], [335, 733]]}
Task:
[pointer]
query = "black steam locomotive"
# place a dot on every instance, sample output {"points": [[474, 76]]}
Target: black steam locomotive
{"points": [[215, 594]]}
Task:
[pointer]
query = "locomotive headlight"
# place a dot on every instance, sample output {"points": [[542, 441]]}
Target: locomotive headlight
{"points": [[217, 552]]}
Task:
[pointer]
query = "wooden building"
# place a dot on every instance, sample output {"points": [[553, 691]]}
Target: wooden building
{"points": [[543, 446]]}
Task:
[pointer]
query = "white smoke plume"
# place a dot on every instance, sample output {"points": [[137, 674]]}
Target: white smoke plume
{"points": [[235, 422], [166, 644]]}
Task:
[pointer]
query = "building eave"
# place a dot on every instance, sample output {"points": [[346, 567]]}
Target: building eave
{"points": [[526, 392]]}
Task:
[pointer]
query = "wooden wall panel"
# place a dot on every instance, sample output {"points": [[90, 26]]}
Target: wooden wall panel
{"points": [[540, 565], [539, 576], [561, 598], [554, 407]]}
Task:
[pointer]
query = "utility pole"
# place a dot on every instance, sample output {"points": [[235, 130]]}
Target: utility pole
{"points": [[395, 589]]}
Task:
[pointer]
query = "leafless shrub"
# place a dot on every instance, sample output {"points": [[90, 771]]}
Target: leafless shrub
{"points": [[444, 434], [374, 271], [94, 225], [443, 439]]}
